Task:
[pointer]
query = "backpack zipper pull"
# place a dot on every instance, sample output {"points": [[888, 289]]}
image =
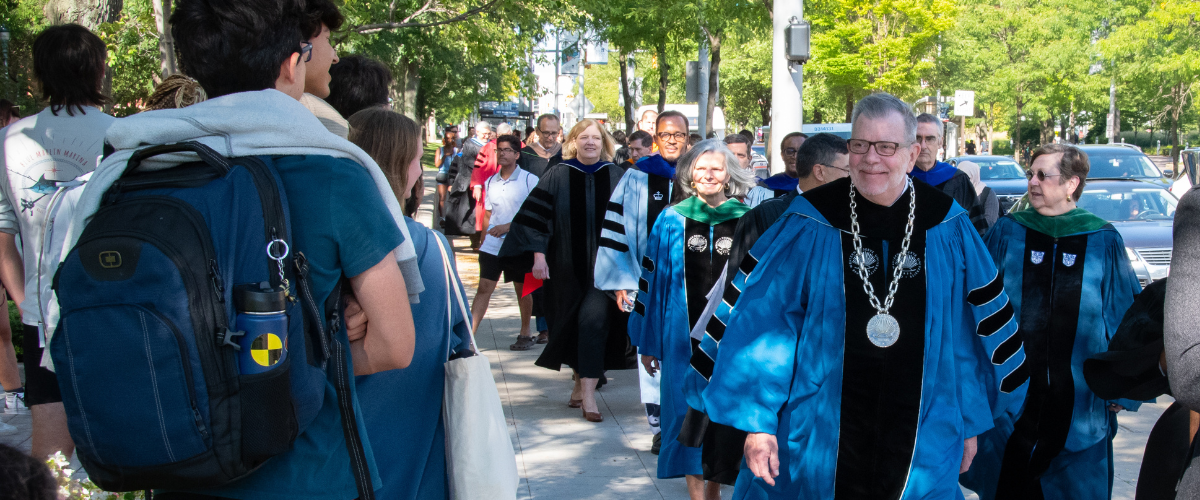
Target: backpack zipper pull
{"points": [[218, 284]]}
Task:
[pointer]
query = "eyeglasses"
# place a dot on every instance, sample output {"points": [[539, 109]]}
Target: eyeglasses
{"points": [[883, 148], [846, 170], [506, 150], [791, 152], [678, 136], [306, 51], [1041, 176]]}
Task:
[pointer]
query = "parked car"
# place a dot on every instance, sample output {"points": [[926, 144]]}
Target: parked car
{"points": [[1143, 212], [1002, 174], [758, 160], [1110, 161]]}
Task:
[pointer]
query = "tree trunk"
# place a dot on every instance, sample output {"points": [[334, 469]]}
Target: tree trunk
{"points": [[849, 105], [664, 75], [166, 42], [714, 85], [412, 85], [764, 108], [623, 62], [88, 13]]}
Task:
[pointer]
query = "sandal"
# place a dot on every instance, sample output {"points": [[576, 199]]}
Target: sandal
{"points": [[524, 343], [543, 337]]}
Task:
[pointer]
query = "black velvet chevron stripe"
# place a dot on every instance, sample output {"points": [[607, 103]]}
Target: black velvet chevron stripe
{"points": [[996, 321], [647, 264], [701, 362], [748, 264], [525, 219], [1007, 349], [731, 294], [986, 293], [1014, 380], [639, 308], [539, 210], [715, 328], [542, 195], [613, 226], [614, 244], [616, 208], [643, 285]]}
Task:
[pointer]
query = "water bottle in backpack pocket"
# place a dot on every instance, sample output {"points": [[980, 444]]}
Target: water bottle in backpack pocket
{"points": [[171, 378]]}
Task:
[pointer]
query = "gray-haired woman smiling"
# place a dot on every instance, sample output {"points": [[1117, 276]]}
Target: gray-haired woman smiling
{"points": [[686, 253]]}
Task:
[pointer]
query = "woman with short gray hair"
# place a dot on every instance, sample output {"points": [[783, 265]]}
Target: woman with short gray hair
{"points": [[686, 253]]}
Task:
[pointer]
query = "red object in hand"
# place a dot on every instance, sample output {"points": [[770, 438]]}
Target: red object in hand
{"points": [[530, 284]]}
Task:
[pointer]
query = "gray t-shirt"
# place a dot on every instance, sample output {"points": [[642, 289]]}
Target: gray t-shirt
{"points": [[40, 153]]}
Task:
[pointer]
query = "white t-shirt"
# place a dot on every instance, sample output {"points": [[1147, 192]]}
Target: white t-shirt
{"points": [[504, 197], [39, 154]]}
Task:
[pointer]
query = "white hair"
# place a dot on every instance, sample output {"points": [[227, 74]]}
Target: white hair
{"points": [[739, 180], [483, 125], [504, 129]]}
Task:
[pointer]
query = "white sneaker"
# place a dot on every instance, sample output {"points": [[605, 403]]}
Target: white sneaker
{"points": [[8, 429], [15, 403]]}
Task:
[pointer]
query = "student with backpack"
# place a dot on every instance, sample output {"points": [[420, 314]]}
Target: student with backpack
{"points": [[207, 255], [68, 60]]}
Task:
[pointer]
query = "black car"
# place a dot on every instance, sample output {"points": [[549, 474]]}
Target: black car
{"points": [[1002, 174], [1120, 162], [1143, 212]]}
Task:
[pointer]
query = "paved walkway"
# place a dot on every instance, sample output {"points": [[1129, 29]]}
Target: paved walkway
{"points": [[563, 457]]}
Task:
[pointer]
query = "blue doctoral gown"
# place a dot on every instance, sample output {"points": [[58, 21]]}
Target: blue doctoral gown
{"points": [[1069, 295], [854, 420], [403, 408], [683, 260], [641, 195]]}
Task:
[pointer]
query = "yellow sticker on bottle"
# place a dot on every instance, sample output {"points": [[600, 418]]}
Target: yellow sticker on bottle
{"points": [[267, 349]]}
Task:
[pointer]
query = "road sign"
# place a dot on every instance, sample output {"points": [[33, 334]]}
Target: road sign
{"points": [[571, 55], [964, 103], [597, 52]]}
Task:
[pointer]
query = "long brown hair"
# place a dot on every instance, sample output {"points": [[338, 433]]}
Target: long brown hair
{"points": [[392, 139]]}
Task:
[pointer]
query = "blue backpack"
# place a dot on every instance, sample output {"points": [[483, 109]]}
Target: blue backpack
{"points": [[144, 352]]}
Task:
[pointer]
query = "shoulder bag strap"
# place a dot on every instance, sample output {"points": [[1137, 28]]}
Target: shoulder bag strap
{"points": [[457, 294]]}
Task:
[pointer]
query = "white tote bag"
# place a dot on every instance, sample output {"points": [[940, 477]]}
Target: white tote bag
{"points": [[480, 461]]}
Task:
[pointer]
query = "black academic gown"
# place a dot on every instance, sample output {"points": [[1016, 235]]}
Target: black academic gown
{"points": [[533, 163], [960, 188], [562, 218], [460, 201]]}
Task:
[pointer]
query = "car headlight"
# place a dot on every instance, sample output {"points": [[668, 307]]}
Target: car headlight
{"points": [[1133, 256]]}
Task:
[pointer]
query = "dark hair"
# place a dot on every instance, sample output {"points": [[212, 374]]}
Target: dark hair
{"points": [[821, 148], [232, 46], [393, 141], [512, 140], [357, 83], [620, 137], [69, 62], [737, 139], [8, 111], [25, 477], [641, 136], [671, 114], [318, 13], [801, 135], [693, 138], [747, 134], [529, 131], [1074, 163]]}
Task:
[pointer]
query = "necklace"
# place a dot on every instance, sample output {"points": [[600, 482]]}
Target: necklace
{"points": [[882, 330]]}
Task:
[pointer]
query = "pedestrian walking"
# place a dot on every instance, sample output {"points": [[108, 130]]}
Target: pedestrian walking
{"points": [[505, 191], [69, 61], [1069, 282], [443, 157], [827, 359], [402, 409], [685, 257], [560, 224], [784, 182], [943, 175], [459, 207], [486, 165], [546, 151], [740, 146]]}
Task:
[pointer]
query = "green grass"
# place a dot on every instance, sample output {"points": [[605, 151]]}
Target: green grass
{"points": [[427, 157]]}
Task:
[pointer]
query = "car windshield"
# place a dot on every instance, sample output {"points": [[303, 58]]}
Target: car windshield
{"points": [[759, 150], [999, 169], [1121, 165], [1128, 205]]}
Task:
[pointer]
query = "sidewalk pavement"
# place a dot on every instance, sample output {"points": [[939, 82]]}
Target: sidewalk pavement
{"points": [[561, 456]]}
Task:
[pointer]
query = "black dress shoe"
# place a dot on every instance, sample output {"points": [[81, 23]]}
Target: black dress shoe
{"points": [[657, 443]]}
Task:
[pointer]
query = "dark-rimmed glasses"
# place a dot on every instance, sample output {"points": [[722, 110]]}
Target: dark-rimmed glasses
{"points": [[1041, 176], [678, 136], [883, 148], [306, 51], [506, 150]]}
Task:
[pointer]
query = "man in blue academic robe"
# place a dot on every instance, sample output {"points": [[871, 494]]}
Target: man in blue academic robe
{"points": [[784, 182], [836, 408]]}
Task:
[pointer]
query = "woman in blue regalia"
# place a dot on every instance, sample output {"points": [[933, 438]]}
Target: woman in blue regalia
{"points": [[1069, 281], [686, 254], [402, 409]]}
